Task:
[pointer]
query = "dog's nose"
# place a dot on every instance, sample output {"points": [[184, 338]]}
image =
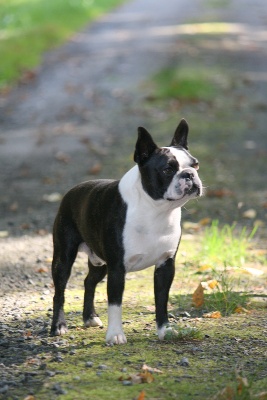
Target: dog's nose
{"points": [[188, 176]]}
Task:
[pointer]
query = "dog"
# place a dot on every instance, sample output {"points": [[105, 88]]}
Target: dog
{"points": [[126, 225]]}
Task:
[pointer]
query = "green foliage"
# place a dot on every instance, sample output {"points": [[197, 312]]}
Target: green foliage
{"points": [[224, 297], [182, 332], [225, 246], [30, 27], [185, 83]]}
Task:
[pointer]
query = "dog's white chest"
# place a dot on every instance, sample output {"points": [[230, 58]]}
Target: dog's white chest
{"points": [[152, 229], [150, 241]]}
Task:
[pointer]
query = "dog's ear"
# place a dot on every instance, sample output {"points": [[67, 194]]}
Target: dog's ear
{"points": [[180, 135], [144, 147]]}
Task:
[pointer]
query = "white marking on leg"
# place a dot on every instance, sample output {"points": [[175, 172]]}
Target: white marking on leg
{"points": [[163, 330], [92, 322], [115, 332]]}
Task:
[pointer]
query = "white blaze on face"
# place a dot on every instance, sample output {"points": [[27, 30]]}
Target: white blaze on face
{"points": [[181, 156]]}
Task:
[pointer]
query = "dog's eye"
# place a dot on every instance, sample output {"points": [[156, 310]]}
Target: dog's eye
{"points": [[196, 166], [168, 171]]}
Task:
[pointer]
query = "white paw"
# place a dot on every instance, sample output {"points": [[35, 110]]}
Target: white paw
{"points": [[165, 330], [118, 338], [61, 329], [115, 334], [92, 322]]}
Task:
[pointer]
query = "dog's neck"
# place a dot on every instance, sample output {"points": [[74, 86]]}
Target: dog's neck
{"points": [[132, 192]]}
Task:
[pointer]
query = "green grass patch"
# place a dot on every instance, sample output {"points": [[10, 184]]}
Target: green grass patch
{"points": [[226, 245], [187, 83], [182, 332], [222, 255], [30, 27]]}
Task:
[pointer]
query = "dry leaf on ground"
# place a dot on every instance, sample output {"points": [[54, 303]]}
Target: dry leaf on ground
{"points": [[220, 193], [147, 377], [241, 310], [150, 369], [250, 214], [198, 296], [141, 395], [212, 283], [214, 314]]}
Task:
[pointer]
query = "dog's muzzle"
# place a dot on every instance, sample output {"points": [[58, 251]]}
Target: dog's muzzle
{"points": [[192, 183]]}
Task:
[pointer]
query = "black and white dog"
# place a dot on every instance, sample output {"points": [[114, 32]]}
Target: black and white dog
{"points": [[125, 226]]}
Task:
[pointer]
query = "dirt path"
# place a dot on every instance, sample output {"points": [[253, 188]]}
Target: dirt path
{"points": [[77, 118]]}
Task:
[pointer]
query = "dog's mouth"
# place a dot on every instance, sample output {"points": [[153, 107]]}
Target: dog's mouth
{"points": [[195, 190]]}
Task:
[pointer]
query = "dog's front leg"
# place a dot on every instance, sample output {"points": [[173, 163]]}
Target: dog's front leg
{"points": [[115, 288], [163, 277]]}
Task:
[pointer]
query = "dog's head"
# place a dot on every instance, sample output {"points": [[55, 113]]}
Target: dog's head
{"points": [[168, 173]]}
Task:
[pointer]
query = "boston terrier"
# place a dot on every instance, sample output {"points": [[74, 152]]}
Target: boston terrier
{"points": [[125, 226]]}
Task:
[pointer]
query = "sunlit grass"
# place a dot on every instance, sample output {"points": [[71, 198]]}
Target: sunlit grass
{"points": [[225, 245], [30, 27], [185, 83]]}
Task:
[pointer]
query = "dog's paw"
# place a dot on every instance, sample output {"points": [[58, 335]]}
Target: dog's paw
{"points": [[59, 330], [118, 338], [165, 331], [93, 322]]}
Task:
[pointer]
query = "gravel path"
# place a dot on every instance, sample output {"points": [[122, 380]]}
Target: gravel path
{"points": [[63, 127]]}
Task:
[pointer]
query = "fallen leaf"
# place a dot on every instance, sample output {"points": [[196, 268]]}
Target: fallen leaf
{"points": [[52, 197], [241, 310], [204, 267], [220, 193], [250, 214], [205, 221], [150, 369], [95, 169], [213, 314], [30, 397], [42, 270], [198, 296], [142, 377], [147, 377], [212, 283], [141, 395]]}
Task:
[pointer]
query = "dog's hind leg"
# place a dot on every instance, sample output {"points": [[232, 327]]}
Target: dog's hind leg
{"points": [[65, 251], [95, 275]]}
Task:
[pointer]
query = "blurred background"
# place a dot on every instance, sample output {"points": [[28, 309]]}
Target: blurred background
{"points": [[77, 77]]}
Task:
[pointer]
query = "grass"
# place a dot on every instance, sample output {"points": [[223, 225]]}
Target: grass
{"points": [[186, 83], [225, 245], [199, 357], [220, 256], [30, 27]]}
